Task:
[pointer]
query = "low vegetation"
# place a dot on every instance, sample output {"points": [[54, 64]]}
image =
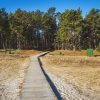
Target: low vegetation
{"points": [[98, 48], [76, 69], [12, 72], [73, 53]]}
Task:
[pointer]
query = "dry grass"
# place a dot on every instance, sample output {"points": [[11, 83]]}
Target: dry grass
{"points": [[73, 53], [28, 52], [10, 64], [12, 71], [81, 71]]}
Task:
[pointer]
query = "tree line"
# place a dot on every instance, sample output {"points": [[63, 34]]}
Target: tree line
{"points": [[49, 30]]}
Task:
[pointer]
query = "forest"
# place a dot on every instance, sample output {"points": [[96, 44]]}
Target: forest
{"points": [[49, 30]]}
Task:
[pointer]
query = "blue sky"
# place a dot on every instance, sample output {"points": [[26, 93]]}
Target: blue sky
{"points": [[43, 5]]}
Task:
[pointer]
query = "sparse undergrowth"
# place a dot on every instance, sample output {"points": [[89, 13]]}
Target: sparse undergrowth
{"points": [[73, 53], [12, 72], [80, 71]]}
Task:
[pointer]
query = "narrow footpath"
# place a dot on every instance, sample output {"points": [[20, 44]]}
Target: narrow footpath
{"points": [[35, 86]]}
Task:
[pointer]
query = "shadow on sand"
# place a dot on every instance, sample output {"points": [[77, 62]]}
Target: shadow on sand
{"points": [[58, 95]]}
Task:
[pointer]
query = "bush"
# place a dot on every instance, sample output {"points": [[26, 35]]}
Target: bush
{"points": [[98, 47]]}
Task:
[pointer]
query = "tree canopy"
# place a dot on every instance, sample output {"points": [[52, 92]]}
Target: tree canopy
{"points": [[49, 30]]}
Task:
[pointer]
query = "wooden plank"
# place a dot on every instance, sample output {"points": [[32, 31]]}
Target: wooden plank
{"points": [[35, 86]]}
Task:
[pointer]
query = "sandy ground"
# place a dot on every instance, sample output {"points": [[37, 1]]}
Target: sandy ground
{"points": [[76, 77], [12, 73]]}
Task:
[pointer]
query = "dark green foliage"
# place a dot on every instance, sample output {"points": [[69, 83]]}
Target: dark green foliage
{"points": [[4, 29], [49, 30], [98, 47], [70, 26], [91, 29]]}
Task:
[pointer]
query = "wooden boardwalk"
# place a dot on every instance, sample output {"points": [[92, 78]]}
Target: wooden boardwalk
{"points": [[35, 86]]}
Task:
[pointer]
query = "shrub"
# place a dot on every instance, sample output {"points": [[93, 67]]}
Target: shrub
{"points": [[98, 47]]}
